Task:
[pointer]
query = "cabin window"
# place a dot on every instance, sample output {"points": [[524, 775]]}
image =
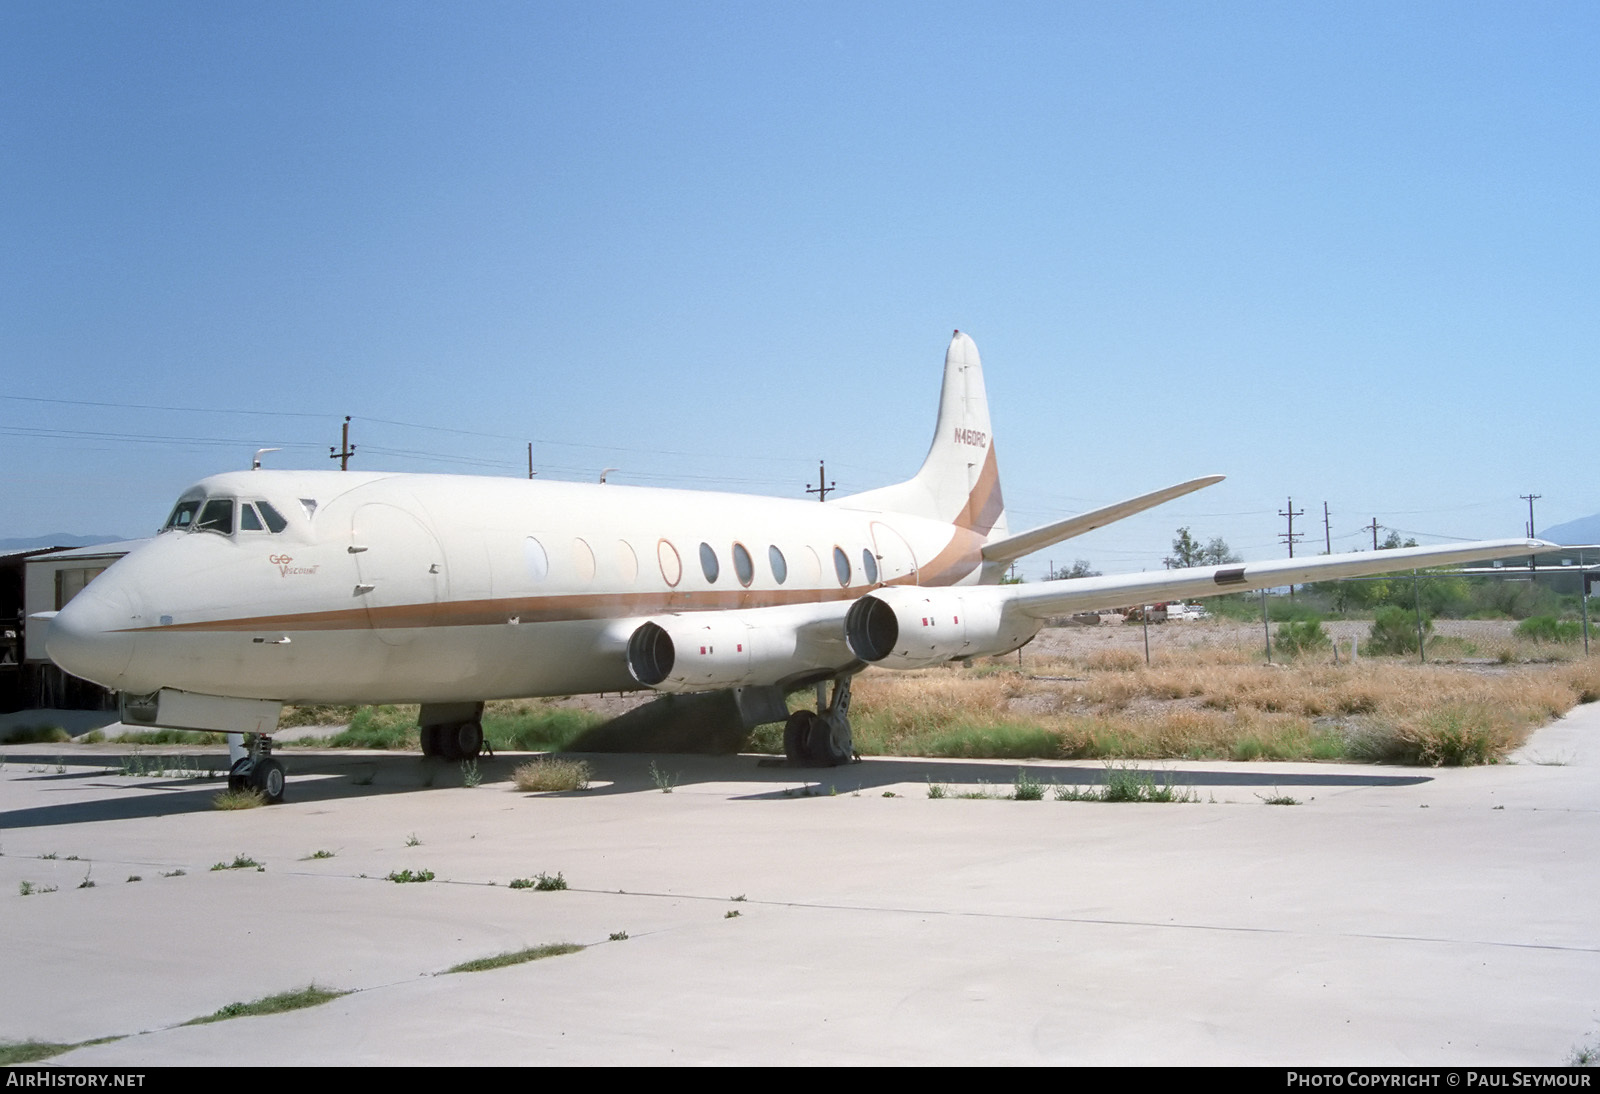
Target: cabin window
{"points": [[810, 566], [708, 563], [671, 564], [780, 565], [583, 559], [743, 567], [274, 519], [535, 559], [217, 516], [182, 516], [248, 521], [841, 565], [627, 562], [869, 566]]}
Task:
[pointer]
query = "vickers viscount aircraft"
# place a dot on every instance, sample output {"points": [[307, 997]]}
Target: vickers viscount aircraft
{"points": [[274, 587]]}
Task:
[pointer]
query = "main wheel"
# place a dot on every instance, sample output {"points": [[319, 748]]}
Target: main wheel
{"points": [[430, 740], [797, 736], [823, 748], [466, 740], [268, 778], [239, 773]]}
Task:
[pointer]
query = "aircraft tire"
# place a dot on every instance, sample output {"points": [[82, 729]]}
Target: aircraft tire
{"points": [[797, 736], [820, 744], [268, 777], [239, 774], [466, 739], [430, 740]]}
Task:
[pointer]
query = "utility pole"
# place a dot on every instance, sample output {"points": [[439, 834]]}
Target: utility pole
{"points": [[530, 459], [1289, 536], [1530, 499], [1327, 530], [344, 451], [1374, 527], [820, 490]]}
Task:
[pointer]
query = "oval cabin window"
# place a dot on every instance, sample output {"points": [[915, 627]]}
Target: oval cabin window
{"points": [[708, 563], [841, 565], [743, 568], [869, 566], [534, 558], [671, 564]]}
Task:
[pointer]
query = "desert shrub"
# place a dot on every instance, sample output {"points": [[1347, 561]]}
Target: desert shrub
{"points": [[1301, 636], [1547, 628], [1394, 630], [549, 773]]}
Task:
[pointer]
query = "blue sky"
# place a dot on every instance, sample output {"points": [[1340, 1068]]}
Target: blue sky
{"points": [[1342, 252]]}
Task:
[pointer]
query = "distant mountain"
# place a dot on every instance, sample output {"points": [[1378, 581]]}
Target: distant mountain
{"points": [[56, 539], [1582, 530]]}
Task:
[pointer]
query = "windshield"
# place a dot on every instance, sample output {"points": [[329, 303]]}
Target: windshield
{"points": [[217, 516], [182, 515]]}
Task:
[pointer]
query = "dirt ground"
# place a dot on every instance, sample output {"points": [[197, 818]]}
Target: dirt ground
{"points": [[1080, 641]]}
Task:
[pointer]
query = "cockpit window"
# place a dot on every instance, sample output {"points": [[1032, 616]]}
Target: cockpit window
{"points": [[217, 516], [274, 519], [248, 521], [182, 515]]}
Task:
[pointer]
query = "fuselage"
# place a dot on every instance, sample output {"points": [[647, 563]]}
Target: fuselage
{"points": [[365, 588]]}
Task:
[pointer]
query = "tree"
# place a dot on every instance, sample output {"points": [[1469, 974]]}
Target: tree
{"points": [[1187, 551], [1392, 541], [1079, 568]]}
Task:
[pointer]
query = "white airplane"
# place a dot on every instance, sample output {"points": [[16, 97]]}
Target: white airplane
{"points": [[274, 587]]}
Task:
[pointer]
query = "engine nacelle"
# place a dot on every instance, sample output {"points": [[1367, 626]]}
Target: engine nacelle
{"points": [[713, 650], [910, 628]]}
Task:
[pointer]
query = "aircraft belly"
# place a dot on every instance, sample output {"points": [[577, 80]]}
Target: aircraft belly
{"points": [[434, 664]]}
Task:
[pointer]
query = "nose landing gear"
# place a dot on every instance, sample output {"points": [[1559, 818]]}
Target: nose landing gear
{"points": [[254, 768]]}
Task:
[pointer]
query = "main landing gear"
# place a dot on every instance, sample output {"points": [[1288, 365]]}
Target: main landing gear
{"points": [[254, 768], [451, 731], [821, 738]]}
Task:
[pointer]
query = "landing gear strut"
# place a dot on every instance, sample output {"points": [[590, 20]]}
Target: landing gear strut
{"points": [[254, 768], [822, 738]]}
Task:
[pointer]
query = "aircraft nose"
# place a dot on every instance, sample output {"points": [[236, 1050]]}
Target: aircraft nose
{"points": [[88, 637]]}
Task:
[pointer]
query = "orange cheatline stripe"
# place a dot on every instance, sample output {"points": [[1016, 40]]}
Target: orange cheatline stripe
{"points": [[959, 558]]}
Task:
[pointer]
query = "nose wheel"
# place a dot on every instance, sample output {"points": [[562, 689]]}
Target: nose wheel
{"points": [[258, 771]]}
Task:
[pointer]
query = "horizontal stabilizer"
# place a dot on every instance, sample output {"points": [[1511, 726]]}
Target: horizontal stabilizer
{"points": [[1013, 547], [1081, 594]]}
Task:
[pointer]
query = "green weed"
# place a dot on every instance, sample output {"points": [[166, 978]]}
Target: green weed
{"points": [[309, 996], [518, 957], [408, 875], [663, 781]]}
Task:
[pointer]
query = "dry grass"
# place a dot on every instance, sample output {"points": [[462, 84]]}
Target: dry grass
{"points": [[548, 773], [1218, 702]]}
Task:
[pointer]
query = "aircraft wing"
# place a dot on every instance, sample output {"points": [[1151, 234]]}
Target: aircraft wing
{"points": [[1025, 543], [1088, 593]]}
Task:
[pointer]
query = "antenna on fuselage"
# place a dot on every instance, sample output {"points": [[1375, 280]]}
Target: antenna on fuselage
{"points": [[606, 472], [255, 462]]}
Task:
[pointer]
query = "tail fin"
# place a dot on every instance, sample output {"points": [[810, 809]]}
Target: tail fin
{"points": [[959, 482]]}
